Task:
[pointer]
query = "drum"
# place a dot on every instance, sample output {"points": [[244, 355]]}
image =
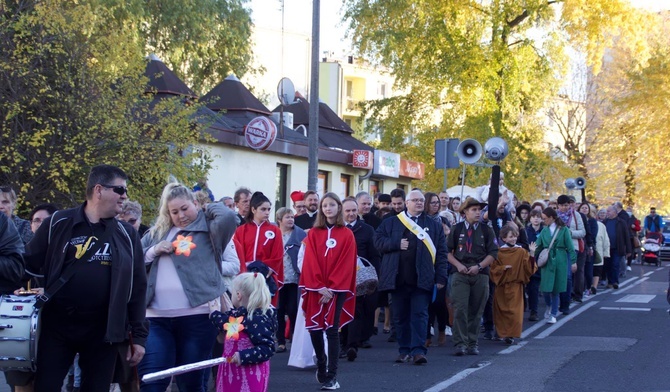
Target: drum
{"points": [[19, 332]]}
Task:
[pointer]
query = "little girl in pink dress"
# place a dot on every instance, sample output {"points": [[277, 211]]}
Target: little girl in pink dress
{"points": [[249, 336]]}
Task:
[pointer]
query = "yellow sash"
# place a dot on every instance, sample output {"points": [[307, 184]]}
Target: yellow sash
{"points": [[419, 232]]}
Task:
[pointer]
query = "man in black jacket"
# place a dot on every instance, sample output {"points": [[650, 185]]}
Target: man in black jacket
{"points": [[620, 246], [103, 297], [11, 271], [358, 332], [414, 264]]}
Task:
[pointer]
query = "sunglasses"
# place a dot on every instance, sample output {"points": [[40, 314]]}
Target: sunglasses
{"points": [[118, 189]]}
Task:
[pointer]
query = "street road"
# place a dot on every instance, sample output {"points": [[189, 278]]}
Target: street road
{"points": [[616, 340]]}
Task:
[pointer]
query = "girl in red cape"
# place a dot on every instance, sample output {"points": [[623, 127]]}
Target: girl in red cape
{"points": [[260, 240], [328, 283]]}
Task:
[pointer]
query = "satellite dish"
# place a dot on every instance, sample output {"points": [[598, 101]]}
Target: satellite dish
{"points": [[286, 91]]}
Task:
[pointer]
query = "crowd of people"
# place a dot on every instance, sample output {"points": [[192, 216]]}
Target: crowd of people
{"points": [[223, 279]]}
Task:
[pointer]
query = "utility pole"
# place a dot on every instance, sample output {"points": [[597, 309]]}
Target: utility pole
{"points": [[313, 135]]}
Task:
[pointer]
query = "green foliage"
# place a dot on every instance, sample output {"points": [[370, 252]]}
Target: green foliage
{"points": [[72, 96], [202, 41]]}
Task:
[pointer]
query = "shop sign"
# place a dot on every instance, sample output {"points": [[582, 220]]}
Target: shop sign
{"points": [[386, 164], [362, 159], [412, 169], [260, 133]]}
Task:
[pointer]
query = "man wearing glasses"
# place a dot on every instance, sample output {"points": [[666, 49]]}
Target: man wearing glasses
{"points": [[298, 198], [414, 264], [95, 286]]}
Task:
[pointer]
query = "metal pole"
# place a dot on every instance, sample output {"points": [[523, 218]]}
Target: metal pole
{"points": [[462, 182], [313, 137], [445, 179]]}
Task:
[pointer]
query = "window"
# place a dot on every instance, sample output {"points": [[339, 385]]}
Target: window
{"points": [[374, 187], [402, 186], [345, 182], [281, 183], [349, 91], [322, 183]]}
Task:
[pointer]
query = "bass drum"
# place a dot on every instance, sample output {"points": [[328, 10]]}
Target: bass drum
{"points": [[19, 332]]}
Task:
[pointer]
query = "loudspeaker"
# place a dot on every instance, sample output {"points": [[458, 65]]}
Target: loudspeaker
{"points": [[570, 183], [496, 149], [580, 183], [469, 151]]}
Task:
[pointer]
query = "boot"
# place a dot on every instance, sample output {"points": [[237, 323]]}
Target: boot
{"points": [[442, 339], [429, 341]]}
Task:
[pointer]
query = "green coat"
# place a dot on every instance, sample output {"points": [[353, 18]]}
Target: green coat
{"points": [[555, 272]]}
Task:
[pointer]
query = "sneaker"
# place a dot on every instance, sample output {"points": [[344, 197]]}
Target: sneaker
{"points": [[615, 286], [533, 316], [509, 341], [628, 268], [330, 385], [551, 320], [321, 376], [593, 290], [547, 313], [447, 331], [488, 335]]}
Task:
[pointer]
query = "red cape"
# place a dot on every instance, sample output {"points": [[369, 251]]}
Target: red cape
{"points": [[269, 250], [334, 270]]}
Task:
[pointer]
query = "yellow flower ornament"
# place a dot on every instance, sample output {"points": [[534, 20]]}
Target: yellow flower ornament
{"points": [[183, 245], [233, 327]]}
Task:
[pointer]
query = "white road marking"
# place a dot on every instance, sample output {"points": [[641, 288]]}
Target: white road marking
{"points": [[625, 282], [512, 349], [630, 287], [637, 298], [565, 319], [659, 268], [649, 273], [456, 378], [632, 309]]}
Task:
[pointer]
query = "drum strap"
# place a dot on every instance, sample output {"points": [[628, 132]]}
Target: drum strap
{"points": [[69, 270]]}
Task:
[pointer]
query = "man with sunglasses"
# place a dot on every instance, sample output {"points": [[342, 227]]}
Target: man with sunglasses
{"points": [[95, 286]]}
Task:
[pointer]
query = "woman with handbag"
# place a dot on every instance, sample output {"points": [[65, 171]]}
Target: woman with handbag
{"points": [[261, 241], [328, 283], [292, 237], [182, 253], [557, 240]]}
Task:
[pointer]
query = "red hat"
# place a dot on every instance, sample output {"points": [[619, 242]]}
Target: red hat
{"points": [[297, 196]]}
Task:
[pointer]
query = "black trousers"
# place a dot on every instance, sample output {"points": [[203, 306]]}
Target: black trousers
{"points": [[333, 337], [61, 338], [360, 328], [438, 310], [287, 305]]}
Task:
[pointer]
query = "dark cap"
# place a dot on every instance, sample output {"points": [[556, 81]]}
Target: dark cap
{"points": [[563, 199], [384, 198]]}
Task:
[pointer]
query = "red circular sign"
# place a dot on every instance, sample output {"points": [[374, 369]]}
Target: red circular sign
{"points": [[260, 133]]}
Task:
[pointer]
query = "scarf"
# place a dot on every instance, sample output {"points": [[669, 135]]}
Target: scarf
{"points": [[565, 216]]}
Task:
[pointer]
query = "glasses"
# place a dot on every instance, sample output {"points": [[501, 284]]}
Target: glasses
{"points": [[118, 189], [300, 207], [417, 200]]}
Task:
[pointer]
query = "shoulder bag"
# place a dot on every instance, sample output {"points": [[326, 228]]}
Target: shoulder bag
{"points": [[544, 255]]}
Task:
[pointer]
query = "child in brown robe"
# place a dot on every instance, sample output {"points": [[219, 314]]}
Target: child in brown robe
{"points": [[510, 272]]}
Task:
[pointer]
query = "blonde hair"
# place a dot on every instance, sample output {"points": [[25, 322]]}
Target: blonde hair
{"points": [[173, 190], [252, 286]]}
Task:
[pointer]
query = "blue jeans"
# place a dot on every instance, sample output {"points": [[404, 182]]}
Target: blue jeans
{"points": [[614, 267], [551, 299], [410, 316], [566, 296], [174, 342]]}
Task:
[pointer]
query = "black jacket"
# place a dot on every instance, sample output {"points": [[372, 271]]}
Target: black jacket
{"points": [[46, 253], [387, 241], [623, 244], [365, 244], [11, 259]]}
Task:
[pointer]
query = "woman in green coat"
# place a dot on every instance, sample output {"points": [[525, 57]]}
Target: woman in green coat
{"points": [[555, 273]]}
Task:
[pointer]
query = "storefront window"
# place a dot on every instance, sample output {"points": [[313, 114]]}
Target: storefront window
{"points": [[281, 183], [322, 183], [374, 187], [345, 182]]}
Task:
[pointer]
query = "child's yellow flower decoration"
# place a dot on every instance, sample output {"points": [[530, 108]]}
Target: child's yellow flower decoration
{"points": [[183, 245], [234, 326]]}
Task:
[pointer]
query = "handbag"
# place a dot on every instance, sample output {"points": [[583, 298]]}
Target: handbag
{"points": [[366, 277], [543, 257]]}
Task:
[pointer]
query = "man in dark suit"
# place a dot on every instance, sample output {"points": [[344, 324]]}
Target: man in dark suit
{"points": [[306, 220], [414, 264], [364, 202]]}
